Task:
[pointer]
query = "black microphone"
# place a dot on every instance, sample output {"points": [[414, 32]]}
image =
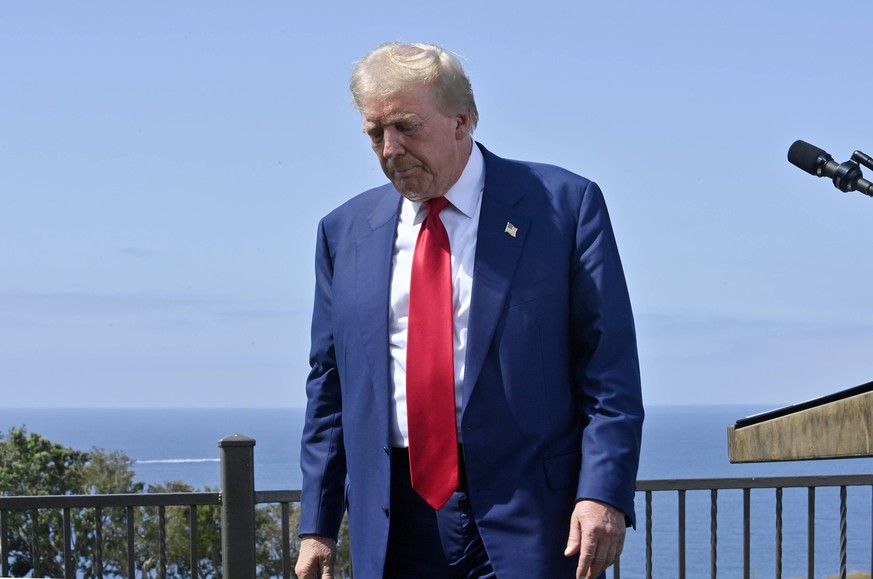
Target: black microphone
{"points": [[846, 176]]}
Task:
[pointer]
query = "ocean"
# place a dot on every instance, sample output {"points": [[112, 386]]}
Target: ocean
{"points": [[678, 442]]}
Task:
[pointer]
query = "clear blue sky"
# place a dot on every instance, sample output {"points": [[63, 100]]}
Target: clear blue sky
{"points": [[163, 167]]}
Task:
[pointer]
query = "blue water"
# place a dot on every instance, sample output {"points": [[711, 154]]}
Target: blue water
{"points": [[678, 442], [176, 444]]}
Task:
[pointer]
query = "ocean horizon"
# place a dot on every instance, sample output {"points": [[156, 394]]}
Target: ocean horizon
{"points": [[181, 444]]}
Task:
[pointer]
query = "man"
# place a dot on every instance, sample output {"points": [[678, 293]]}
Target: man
{"points": [[536, 475]]}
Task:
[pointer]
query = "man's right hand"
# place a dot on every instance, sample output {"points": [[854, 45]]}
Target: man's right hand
{"points": [[317, 556]]}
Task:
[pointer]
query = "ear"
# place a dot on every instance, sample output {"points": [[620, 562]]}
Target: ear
{"points": [[463, 125]]}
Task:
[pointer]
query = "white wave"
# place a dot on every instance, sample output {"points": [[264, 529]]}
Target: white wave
{"points": [[176, 460]]}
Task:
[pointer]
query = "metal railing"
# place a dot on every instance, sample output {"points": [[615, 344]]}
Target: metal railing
{"points": [[70, 503], [238, 501], [717, 487]]}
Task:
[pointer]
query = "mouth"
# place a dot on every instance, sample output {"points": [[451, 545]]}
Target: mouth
{"points": [[401, 173], [404, 167]]}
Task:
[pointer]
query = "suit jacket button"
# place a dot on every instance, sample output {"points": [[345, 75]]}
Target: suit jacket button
{"points": [[387, 451], [386, 510]]}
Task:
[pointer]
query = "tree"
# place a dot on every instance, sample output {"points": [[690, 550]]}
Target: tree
{"points": [[32, 465], [177, 530], [105, 473]]}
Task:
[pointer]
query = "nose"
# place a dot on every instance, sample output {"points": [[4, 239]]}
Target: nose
{"points": [[392, 142]]}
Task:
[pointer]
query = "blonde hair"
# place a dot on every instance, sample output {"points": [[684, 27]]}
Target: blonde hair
{"points": [[395, 66]]}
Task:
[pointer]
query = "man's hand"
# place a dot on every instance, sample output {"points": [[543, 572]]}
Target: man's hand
{"points": [[597, 534], [317, 556]]}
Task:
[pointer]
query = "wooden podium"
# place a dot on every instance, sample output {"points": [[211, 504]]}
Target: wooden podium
{"points": [[839, 425]]}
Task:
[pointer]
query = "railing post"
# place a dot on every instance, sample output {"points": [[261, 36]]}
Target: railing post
{"points": [[810, 533], [681, 534], [747, 533], [238, 507]]}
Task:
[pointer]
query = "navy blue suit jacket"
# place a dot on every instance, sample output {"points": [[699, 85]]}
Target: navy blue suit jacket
{"points": [[552, 410]]}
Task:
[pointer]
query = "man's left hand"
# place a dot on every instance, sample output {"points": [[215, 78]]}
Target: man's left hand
{"points": [[597, 534]]}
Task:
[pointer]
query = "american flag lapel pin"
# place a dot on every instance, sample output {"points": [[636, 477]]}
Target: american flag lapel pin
{"points": [[511, 229]]}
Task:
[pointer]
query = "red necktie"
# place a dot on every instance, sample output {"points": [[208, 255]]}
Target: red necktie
{"points": [[430, 370]]}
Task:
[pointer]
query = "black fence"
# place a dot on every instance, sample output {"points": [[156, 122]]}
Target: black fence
{"points": [[238, 501], [772, 489]]}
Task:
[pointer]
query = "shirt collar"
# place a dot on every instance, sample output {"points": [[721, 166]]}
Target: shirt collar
{"points": [[464, 194]]}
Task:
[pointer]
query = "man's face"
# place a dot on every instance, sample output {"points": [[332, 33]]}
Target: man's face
{"points": [[422, 151]]}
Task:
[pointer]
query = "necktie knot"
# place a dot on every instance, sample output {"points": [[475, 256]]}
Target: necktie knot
{"points": [[435, 205]]}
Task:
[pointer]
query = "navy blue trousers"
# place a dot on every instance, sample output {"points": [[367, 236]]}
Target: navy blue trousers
{"points": [[428, 544]]}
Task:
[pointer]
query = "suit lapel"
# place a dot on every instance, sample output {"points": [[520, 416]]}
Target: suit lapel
{"points": [[373, 255], [503, 229]]}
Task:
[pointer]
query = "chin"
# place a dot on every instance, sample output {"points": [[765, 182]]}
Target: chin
{"points": [[414, 197], [411, 194]]}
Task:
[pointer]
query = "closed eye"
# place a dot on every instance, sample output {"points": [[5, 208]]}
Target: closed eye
{"points": [[376, 135]]}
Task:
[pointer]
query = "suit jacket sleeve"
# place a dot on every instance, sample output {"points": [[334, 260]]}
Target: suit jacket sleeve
{"points": [[322, 455], [606, 363]]}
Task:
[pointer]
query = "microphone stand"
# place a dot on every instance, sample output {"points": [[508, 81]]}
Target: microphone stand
{"points": [[854, 173], [865, 160], [848, 174]]}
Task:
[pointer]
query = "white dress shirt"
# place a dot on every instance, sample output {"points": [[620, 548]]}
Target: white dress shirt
{"points": [[461, 218]]}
